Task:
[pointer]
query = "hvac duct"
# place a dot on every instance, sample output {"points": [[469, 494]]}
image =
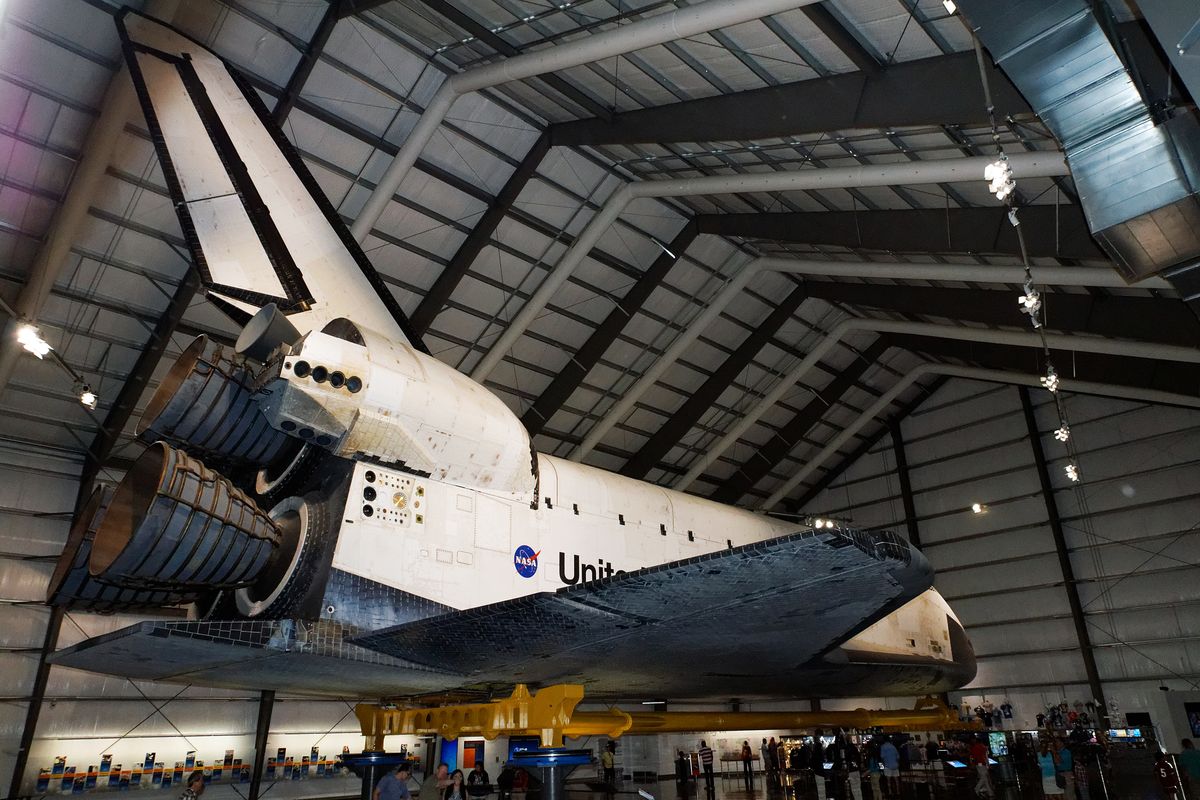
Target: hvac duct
{"points": [[978, 273], [678, 24], [1056, 341], [174, 523], [1137, 175], [972, 373], [1028, 165]]}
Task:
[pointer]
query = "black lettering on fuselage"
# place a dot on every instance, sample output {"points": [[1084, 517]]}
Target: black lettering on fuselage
{"points": [[587, 572]]}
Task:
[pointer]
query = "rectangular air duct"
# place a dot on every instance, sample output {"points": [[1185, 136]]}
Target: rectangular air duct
{"points": [[1137, 175]]}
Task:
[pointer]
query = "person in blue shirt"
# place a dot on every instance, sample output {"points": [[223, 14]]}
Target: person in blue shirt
{"points": [[394, 785], [889, 756], [1066, 768]]}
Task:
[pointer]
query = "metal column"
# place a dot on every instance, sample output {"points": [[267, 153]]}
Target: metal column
{"points": [[266, 704], [910, 508], [1064, 557], [35, 700]]}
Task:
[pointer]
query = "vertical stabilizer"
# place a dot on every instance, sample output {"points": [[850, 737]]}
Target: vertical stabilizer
{"points": [[259, 227]]}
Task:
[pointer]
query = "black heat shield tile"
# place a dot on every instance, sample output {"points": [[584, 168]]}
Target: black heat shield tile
{"points": [[754, 616]]}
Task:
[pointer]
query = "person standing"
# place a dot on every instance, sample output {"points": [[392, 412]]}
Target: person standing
{"points": [[456, 789], [681, 774], [748, 764], [608, 761], [1168, 779], [818, 765], [1048, 766], [435, 784], [979, 760], [706, 763], [394, 785], [773, 752], [1189, 765], [478, 776], [889, 756], [764, 752], [1066, 768], [194, 786]]}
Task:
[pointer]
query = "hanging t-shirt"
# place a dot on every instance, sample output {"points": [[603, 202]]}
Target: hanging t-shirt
{"points": [[1006, 710]]}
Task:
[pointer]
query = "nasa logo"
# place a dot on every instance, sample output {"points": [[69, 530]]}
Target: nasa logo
{"points": [[526, 561]]}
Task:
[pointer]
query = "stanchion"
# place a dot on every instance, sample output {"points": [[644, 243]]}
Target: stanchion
{"points": [[553, 764]]}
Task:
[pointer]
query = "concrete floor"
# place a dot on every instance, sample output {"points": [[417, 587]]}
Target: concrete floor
{"points": [[913, 787]]}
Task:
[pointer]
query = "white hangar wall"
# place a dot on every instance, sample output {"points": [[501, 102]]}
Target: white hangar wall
{"points": [[1132, 529]]}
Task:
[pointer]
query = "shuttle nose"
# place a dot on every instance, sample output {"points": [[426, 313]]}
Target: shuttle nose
{"points": [[963, 654]]}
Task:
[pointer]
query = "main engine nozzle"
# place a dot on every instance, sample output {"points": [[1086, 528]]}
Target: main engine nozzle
{"points": [[206, 405], [73, 586], [175, 524]]}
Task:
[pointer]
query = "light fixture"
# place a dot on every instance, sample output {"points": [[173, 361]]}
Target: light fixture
{"points": [[979, 508], [654, 702], [87, 397], [1001, 176], [663, 247], [950, 7], [1031, 303], [1072, 472], [32, 341], [1063, 433], [1050, 380]]}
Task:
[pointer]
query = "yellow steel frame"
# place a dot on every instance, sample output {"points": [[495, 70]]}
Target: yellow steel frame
{"points": [[550, 714]]}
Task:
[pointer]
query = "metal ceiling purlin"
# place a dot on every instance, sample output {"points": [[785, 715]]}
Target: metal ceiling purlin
{"points": [[865, 446], [309, 57], [1149, 319], [896, 96], [1147, 374], [933, 171], [479, 237], [635, 36], [574, 371], [504, 48], [701, 400], [118, 104], [1055, 340], [765, 459], [1050, 231]]}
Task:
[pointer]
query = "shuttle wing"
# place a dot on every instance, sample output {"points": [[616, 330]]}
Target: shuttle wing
{"points": [[755, 616], [757, 620], [258, 226]]}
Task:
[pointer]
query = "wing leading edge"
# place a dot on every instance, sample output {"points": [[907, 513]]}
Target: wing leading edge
{"points": [[258, 225]]}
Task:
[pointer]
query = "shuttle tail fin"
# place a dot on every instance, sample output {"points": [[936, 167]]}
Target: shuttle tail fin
{"points": [[259, 227]]}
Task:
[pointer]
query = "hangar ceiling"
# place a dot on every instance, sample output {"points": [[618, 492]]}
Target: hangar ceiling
{"points": [[515, 173]]}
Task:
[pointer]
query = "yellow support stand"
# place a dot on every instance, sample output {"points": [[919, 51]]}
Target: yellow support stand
{"points": [[550, 714], [546, 714]]}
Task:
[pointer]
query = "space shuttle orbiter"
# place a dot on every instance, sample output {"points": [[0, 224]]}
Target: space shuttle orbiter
{"points": [[351, 516]]}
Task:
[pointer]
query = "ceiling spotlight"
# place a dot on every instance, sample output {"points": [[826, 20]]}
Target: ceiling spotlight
{"points": [[663, 247], [1063, 433], [1000, 174], [32, 341], [1072, 472], [1031, 303], [979, 508], [86, 396], [1050, 380], [950, 7]]}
